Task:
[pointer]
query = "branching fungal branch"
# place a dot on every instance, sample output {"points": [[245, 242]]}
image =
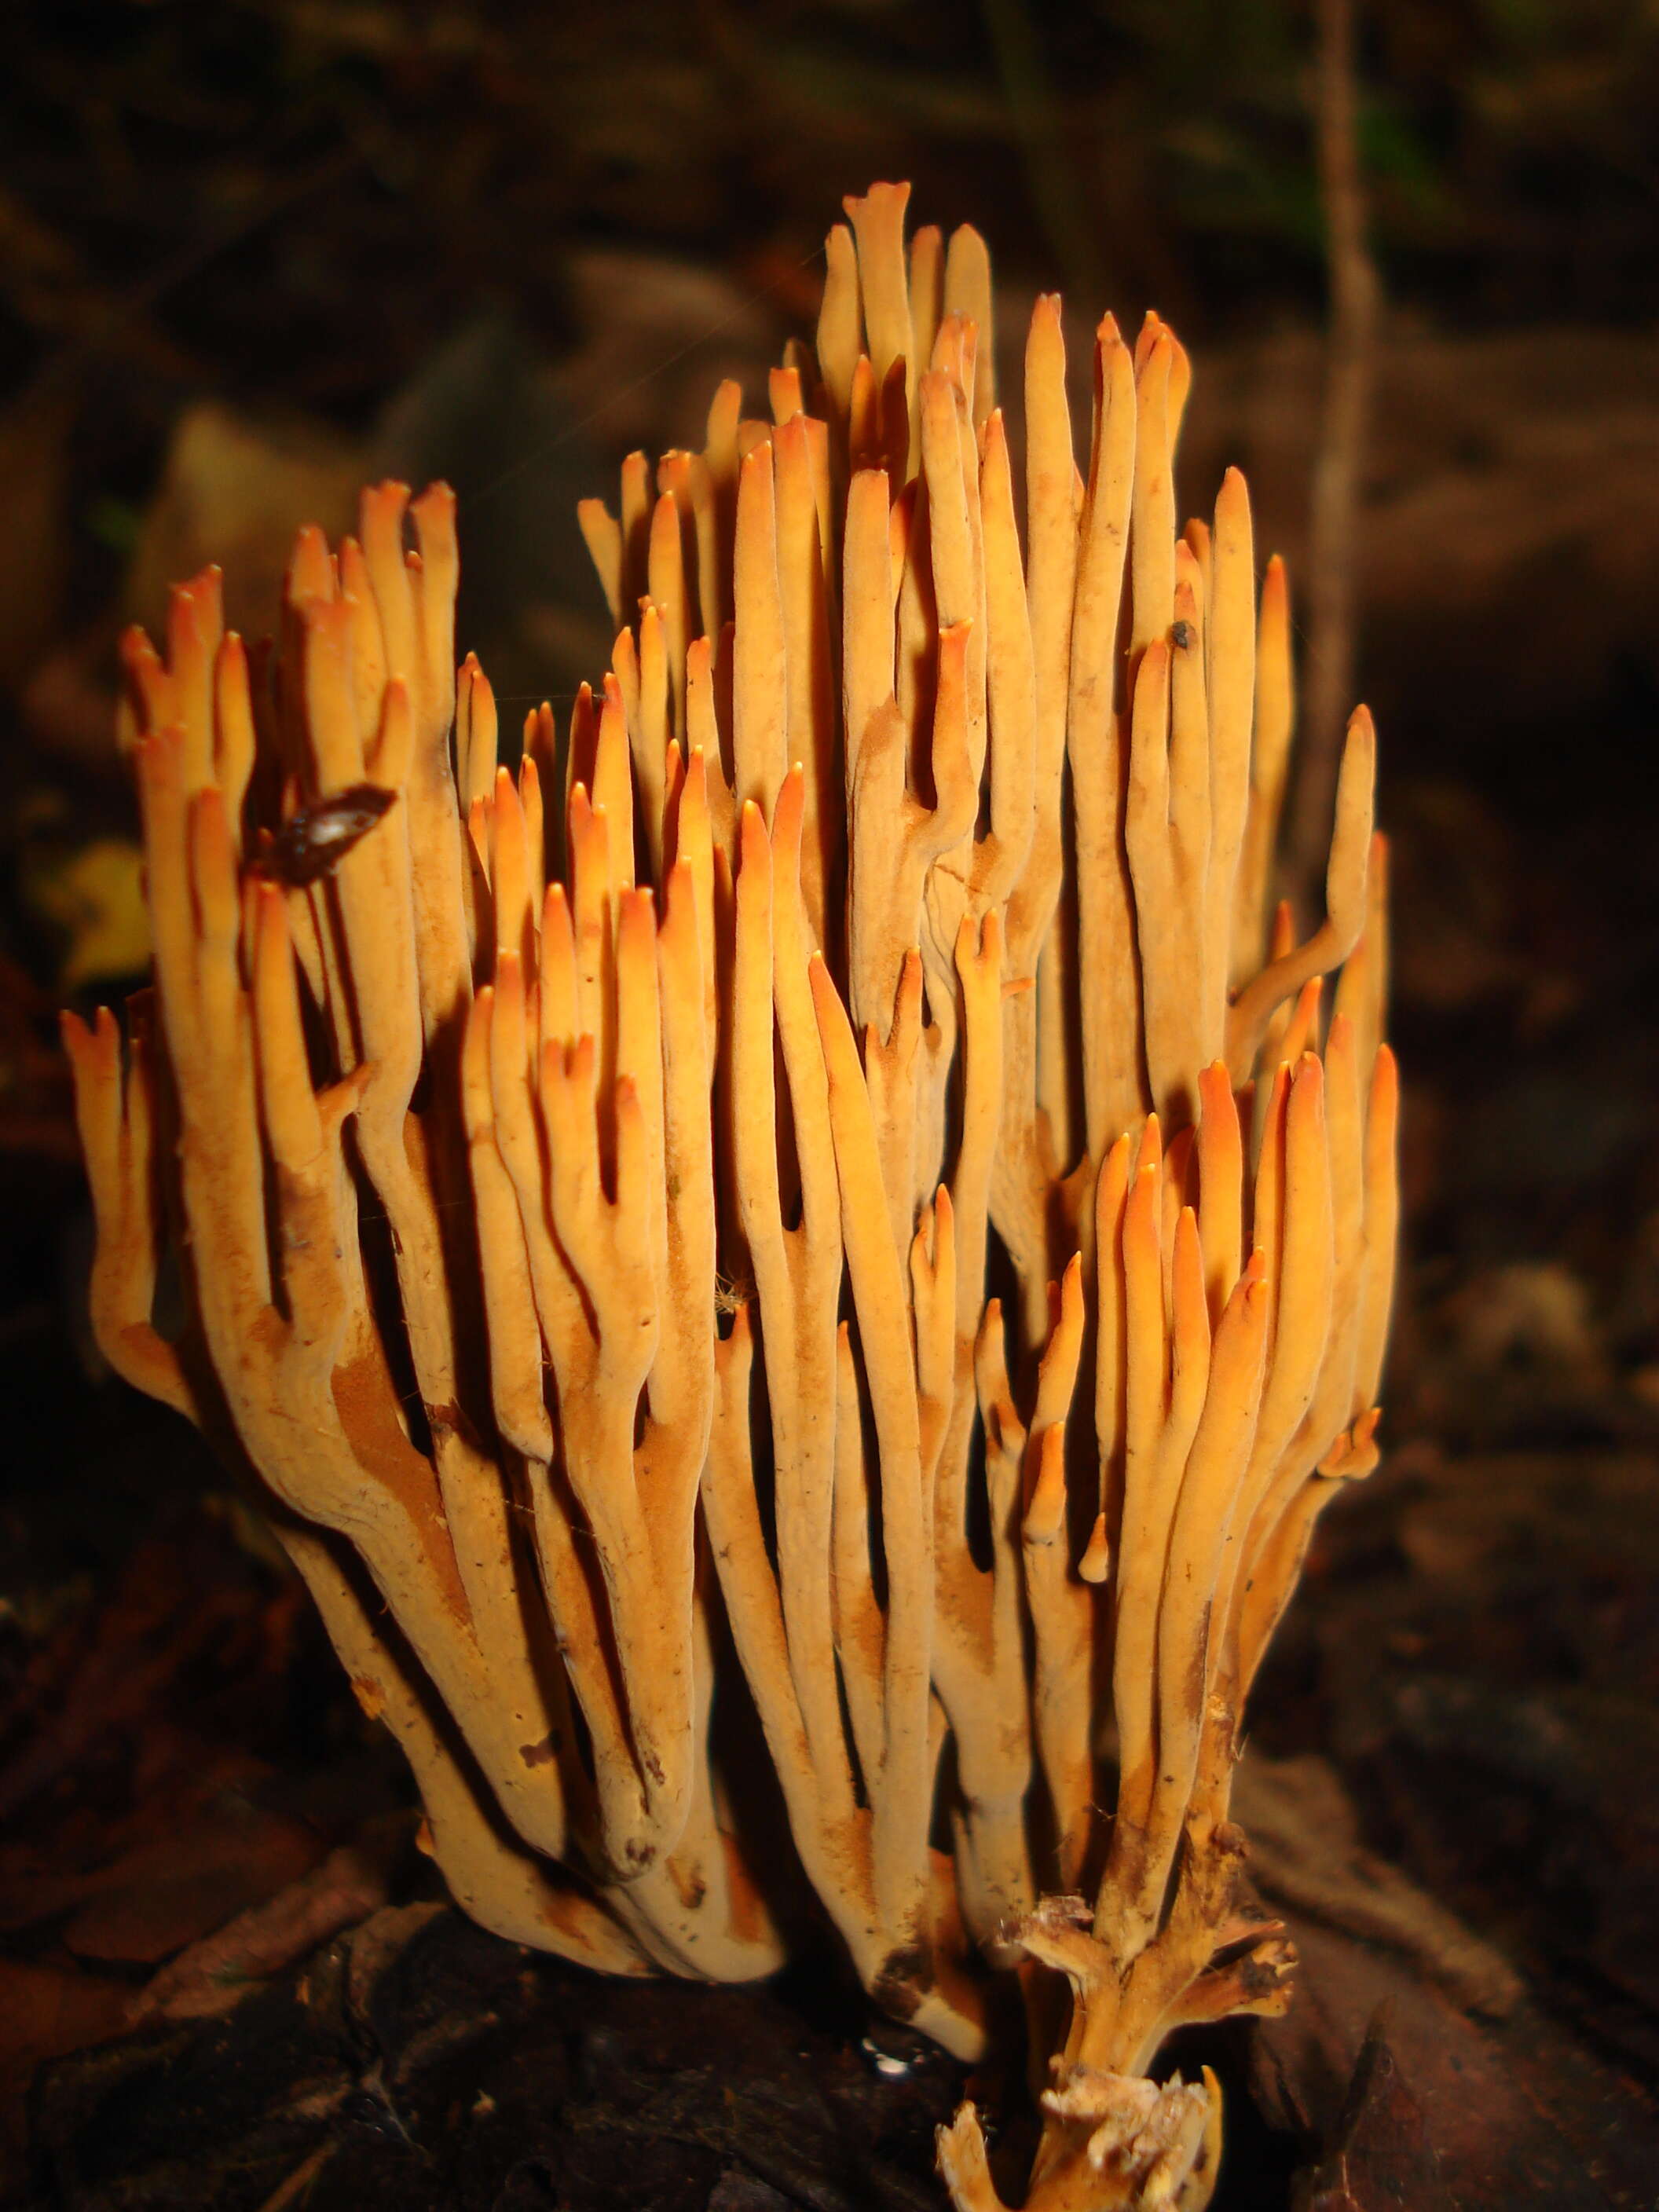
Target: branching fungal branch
{"points": [[587, 1181]]}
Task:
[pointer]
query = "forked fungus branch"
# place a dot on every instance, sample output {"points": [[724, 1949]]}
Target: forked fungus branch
{"points": [[588, 1184]]}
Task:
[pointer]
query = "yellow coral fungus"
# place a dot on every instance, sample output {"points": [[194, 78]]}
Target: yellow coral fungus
{"points": [[587, 1184]]}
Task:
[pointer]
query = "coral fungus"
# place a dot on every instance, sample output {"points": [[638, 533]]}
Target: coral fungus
{"points": [[588, 1182]]}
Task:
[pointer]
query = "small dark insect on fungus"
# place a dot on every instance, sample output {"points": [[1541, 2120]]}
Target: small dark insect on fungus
{"points": [[313, 844]]}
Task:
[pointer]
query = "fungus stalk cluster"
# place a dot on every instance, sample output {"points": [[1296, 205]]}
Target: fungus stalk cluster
{"points": [[587, 1182]]}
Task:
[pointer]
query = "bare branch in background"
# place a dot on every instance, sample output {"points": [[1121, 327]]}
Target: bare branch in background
{"points": [[1355, 293]]}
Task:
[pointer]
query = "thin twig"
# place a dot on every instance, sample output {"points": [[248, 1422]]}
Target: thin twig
{"points": [[1355, 293]]}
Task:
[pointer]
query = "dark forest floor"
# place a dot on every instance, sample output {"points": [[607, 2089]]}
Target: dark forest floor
{"points": [[1461, 1707]]}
